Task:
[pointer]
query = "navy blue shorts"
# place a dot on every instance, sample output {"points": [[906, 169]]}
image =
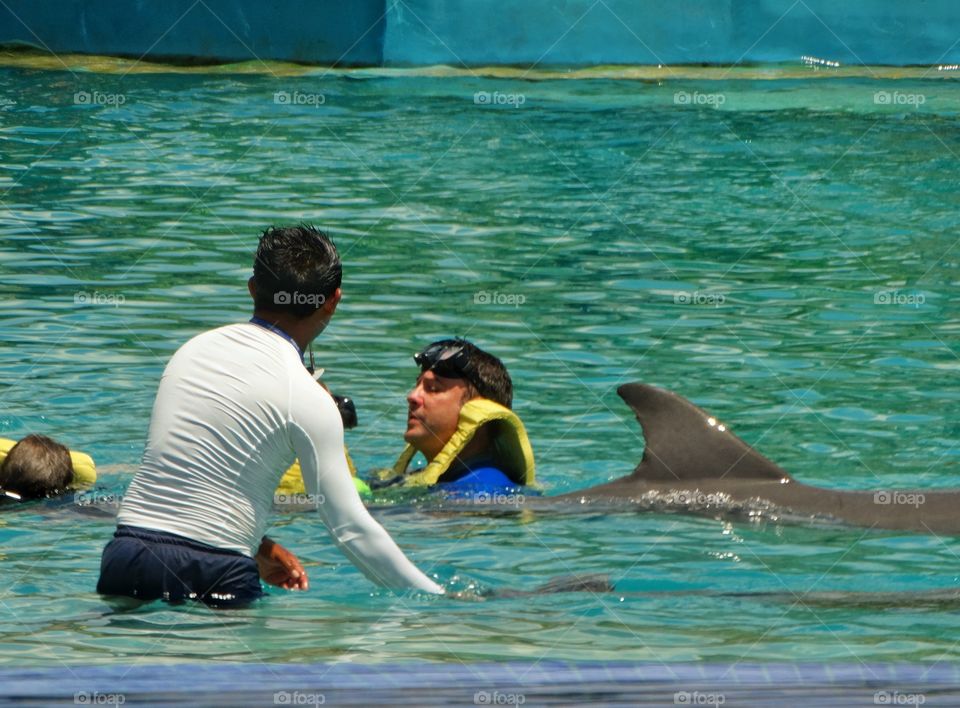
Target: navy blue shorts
{"points": [[154, 565]]}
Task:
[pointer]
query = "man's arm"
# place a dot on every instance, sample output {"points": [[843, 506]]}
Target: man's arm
{"points": [[317, 434]]}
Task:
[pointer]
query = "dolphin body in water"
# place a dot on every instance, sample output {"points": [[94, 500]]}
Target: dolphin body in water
{"points": [[692, 462]]}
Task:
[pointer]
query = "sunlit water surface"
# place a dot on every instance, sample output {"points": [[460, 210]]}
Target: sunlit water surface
{"points": [[781, 251]]}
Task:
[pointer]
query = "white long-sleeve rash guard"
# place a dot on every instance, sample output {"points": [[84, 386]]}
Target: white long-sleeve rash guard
{"points": [[235, 405]]}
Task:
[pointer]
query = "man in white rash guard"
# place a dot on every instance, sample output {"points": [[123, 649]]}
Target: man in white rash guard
{"points": [[234, 408]]}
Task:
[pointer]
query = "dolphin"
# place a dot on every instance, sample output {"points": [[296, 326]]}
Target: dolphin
{"points": [[693, 462]]}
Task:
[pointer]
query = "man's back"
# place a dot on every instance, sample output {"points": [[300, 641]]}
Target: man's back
{"points": [[235, 406], [221, 437]]}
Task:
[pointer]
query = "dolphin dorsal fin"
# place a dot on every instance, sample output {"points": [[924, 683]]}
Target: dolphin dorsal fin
{"points": [[685, 442]]}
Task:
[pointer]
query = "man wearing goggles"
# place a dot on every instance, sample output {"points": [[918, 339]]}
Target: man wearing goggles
{"points": [[459, 418]]}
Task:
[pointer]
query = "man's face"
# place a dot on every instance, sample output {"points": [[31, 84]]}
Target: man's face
{"points": [[434, 409]]}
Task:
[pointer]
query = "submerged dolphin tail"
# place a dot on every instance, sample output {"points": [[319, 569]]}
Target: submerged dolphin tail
{"points": [[683, 442]]}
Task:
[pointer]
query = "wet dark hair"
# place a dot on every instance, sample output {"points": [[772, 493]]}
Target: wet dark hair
{"points": [[484, 372], [36, 467], [295, 270]]}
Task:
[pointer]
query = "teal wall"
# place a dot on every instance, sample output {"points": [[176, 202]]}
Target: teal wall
{"points": [[485, 32], [311, 31], [575, 32]]}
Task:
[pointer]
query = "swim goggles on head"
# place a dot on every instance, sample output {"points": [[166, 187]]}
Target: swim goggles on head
{"points": [[448, 360]]}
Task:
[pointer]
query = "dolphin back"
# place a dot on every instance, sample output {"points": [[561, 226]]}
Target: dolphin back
{"points": [[684, 442]]}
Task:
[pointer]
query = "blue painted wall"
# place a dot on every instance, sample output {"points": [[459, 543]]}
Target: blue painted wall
{"points": [[348, 32], [576, 32], [487, 32]]}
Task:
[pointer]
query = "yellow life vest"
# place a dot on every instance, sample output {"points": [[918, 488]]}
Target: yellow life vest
{"points": [[511, 447], [84, 471], [292, 481]]}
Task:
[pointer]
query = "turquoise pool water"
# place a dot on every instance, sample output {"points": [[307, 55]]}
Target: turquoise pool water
{"points": [[780, 250]]}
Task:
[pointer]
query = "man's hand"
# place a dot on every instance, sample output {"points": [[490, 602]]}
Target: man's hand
{"points": [[280, 567]]}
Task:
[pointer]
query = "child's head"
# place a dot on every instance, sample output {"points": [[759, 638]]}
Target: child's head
{"points": [[36, 467]]}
